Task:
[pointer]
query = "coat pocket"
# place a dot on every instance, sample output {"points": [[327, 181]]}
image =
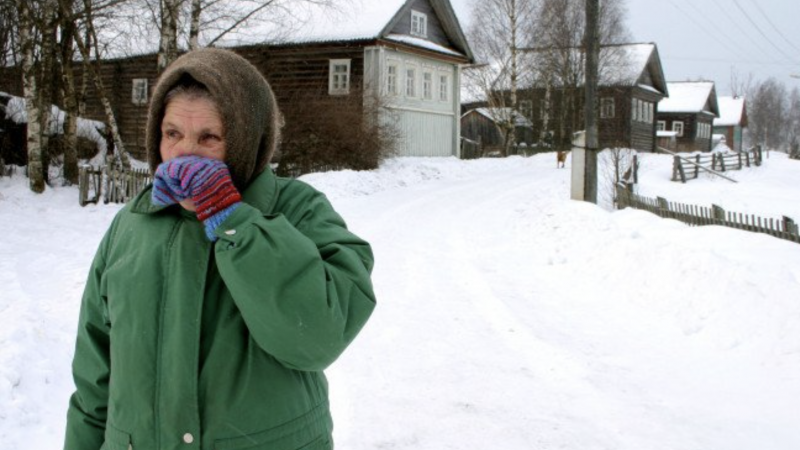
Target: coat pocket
{"points": [[311, 431], [116, 439]]}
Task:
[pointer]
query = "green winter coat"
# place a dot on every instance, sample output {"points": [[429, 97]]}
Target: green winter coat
{"points": [[185, 344]]}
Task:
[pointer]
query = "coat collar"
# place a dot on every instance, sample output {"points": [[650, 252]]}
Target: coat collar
{"points": [[262, 193]]}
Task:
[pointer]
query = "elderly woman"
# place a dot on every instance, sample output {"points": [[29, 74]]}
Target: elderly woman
{"points": [[220, 293]]}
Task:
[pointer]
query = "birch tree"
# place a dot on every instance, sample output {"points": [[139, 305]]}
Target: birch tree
{"points": [[496, 36], [27, 42]]}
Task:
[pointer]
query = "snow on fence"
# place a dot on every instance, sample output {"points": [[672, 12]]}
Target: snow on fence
{"points": [[112, 184], [784, 228], [687, 168]]}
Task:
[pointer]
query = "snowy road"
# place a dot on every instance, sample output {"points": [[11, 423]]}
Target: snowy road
{"points": [[509, 317]]}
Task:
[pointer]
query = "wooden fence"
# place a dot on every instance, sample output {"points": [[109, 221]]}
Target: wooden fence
{"points": [[112, 185], [688, 168], [784, 228]]}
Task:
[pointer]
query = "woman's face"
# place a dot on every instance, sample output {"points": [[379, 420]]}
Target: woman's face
{"points": [[192, 126]]}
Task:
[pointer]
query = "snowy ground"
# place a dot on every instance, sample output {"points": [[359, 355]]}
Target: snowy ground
{"points": [[509, 317]]}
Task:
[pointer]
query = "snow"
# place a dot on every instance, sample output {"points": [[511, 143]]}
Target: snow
{"points": [[508, 317], [687, 97], [90, 129], [422, 43], [501, 115], [621, 65], [731, 111]]}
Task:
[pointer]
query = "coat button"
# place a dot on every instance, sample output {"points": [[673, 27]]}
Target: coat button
{"points": [[188, 438], [230, 232]]}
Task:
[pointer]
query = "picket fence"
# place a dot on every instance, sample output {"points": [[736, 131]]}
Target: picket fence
{"points": [[113, 185], [785, 228]]}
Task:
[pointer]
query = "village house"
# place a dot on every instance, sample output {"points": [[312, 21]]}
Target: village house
{"points": [[732, 121], [408, 53], [689, 112], [631, 84], [486, 126]]}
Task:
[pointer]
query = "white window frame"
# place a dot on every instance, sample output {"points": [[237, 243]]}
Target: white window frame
{"points": [[139, 92], [444, 87], [427, 85], [419, 24], [410, 81], [661, 125], [338, 81], [678, 126], [651, 111], [392, 78], [607, 108], [635, 110], [642, 111]]}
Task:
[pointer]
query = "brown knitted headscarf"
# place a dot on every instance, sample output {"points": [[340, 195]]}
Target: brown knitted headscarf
{"points": [[249, 111]]}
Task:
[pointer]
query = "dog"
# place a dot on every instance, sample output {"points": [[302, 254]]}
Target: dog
{"points": [[561, 158]]}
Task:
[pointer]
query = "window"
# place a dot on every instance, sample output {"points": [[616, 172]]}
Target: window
{"points": [[642, 111], [607, 108], [427, 85], [526, 108], [339, 83], [444, 87], [635, 110], [651, 109], [391, 79], [419, 24], [703, 131], [677, 126], [139, 93], [411, 82], [661, 125]]}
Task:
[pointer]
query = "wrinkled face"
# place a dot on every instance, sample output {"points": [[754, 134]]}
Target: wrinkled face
{"points": [[192, 126]]}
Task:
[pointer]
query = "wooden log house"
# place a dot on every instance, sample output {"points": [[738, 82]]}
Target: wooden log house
{"points": [[631, 84], [732, 121], [409, 52], [690, 111]]}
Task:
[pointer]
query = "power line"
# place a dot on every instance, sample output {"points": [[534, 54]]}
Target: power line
{"points": [[749, 19], [702, 27], [761, 10], [713, 23], [728, 61], [741, 29]]}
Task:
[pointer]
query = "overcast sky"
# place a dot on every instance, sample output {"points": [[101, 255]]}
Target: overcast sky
{"points": [[706, 39]]}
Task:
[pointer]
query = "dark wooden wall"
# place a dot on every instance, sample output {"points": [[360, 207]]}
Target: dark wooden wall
{"points": [[689, 142], [293, 72]]}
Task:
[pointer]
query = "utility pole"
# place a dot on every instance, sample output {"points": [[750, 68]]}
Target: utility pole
{"points": [[584, 157]]}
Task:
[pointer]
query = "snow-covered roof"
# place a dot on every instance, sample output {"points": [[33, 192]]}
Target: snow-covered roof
{"points": [[731, 111], [690, 97], [356, 20], [620, 65], [503, 115]]}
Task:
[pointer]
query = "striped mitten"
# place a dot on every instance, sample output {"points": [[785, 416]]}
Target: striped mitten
{"points": [[207, 182]]}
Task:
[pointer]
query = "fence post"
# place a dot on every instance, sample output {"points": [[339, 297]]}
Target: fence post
{"points": [[718, 212], [758, 155], [663, 206], [697, 167], [83, 185], [721, 158], [790, 225], [740, 161]]}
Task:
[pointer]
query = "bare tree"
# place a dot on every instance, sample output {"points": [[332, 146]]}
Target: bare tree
{"points": [[557, 58], [767, 114], [496, 40]]}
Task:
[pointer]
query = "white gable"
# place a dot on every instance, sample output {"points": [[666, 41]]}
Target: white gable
{"points": [[730, 111], [686, 97]]}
